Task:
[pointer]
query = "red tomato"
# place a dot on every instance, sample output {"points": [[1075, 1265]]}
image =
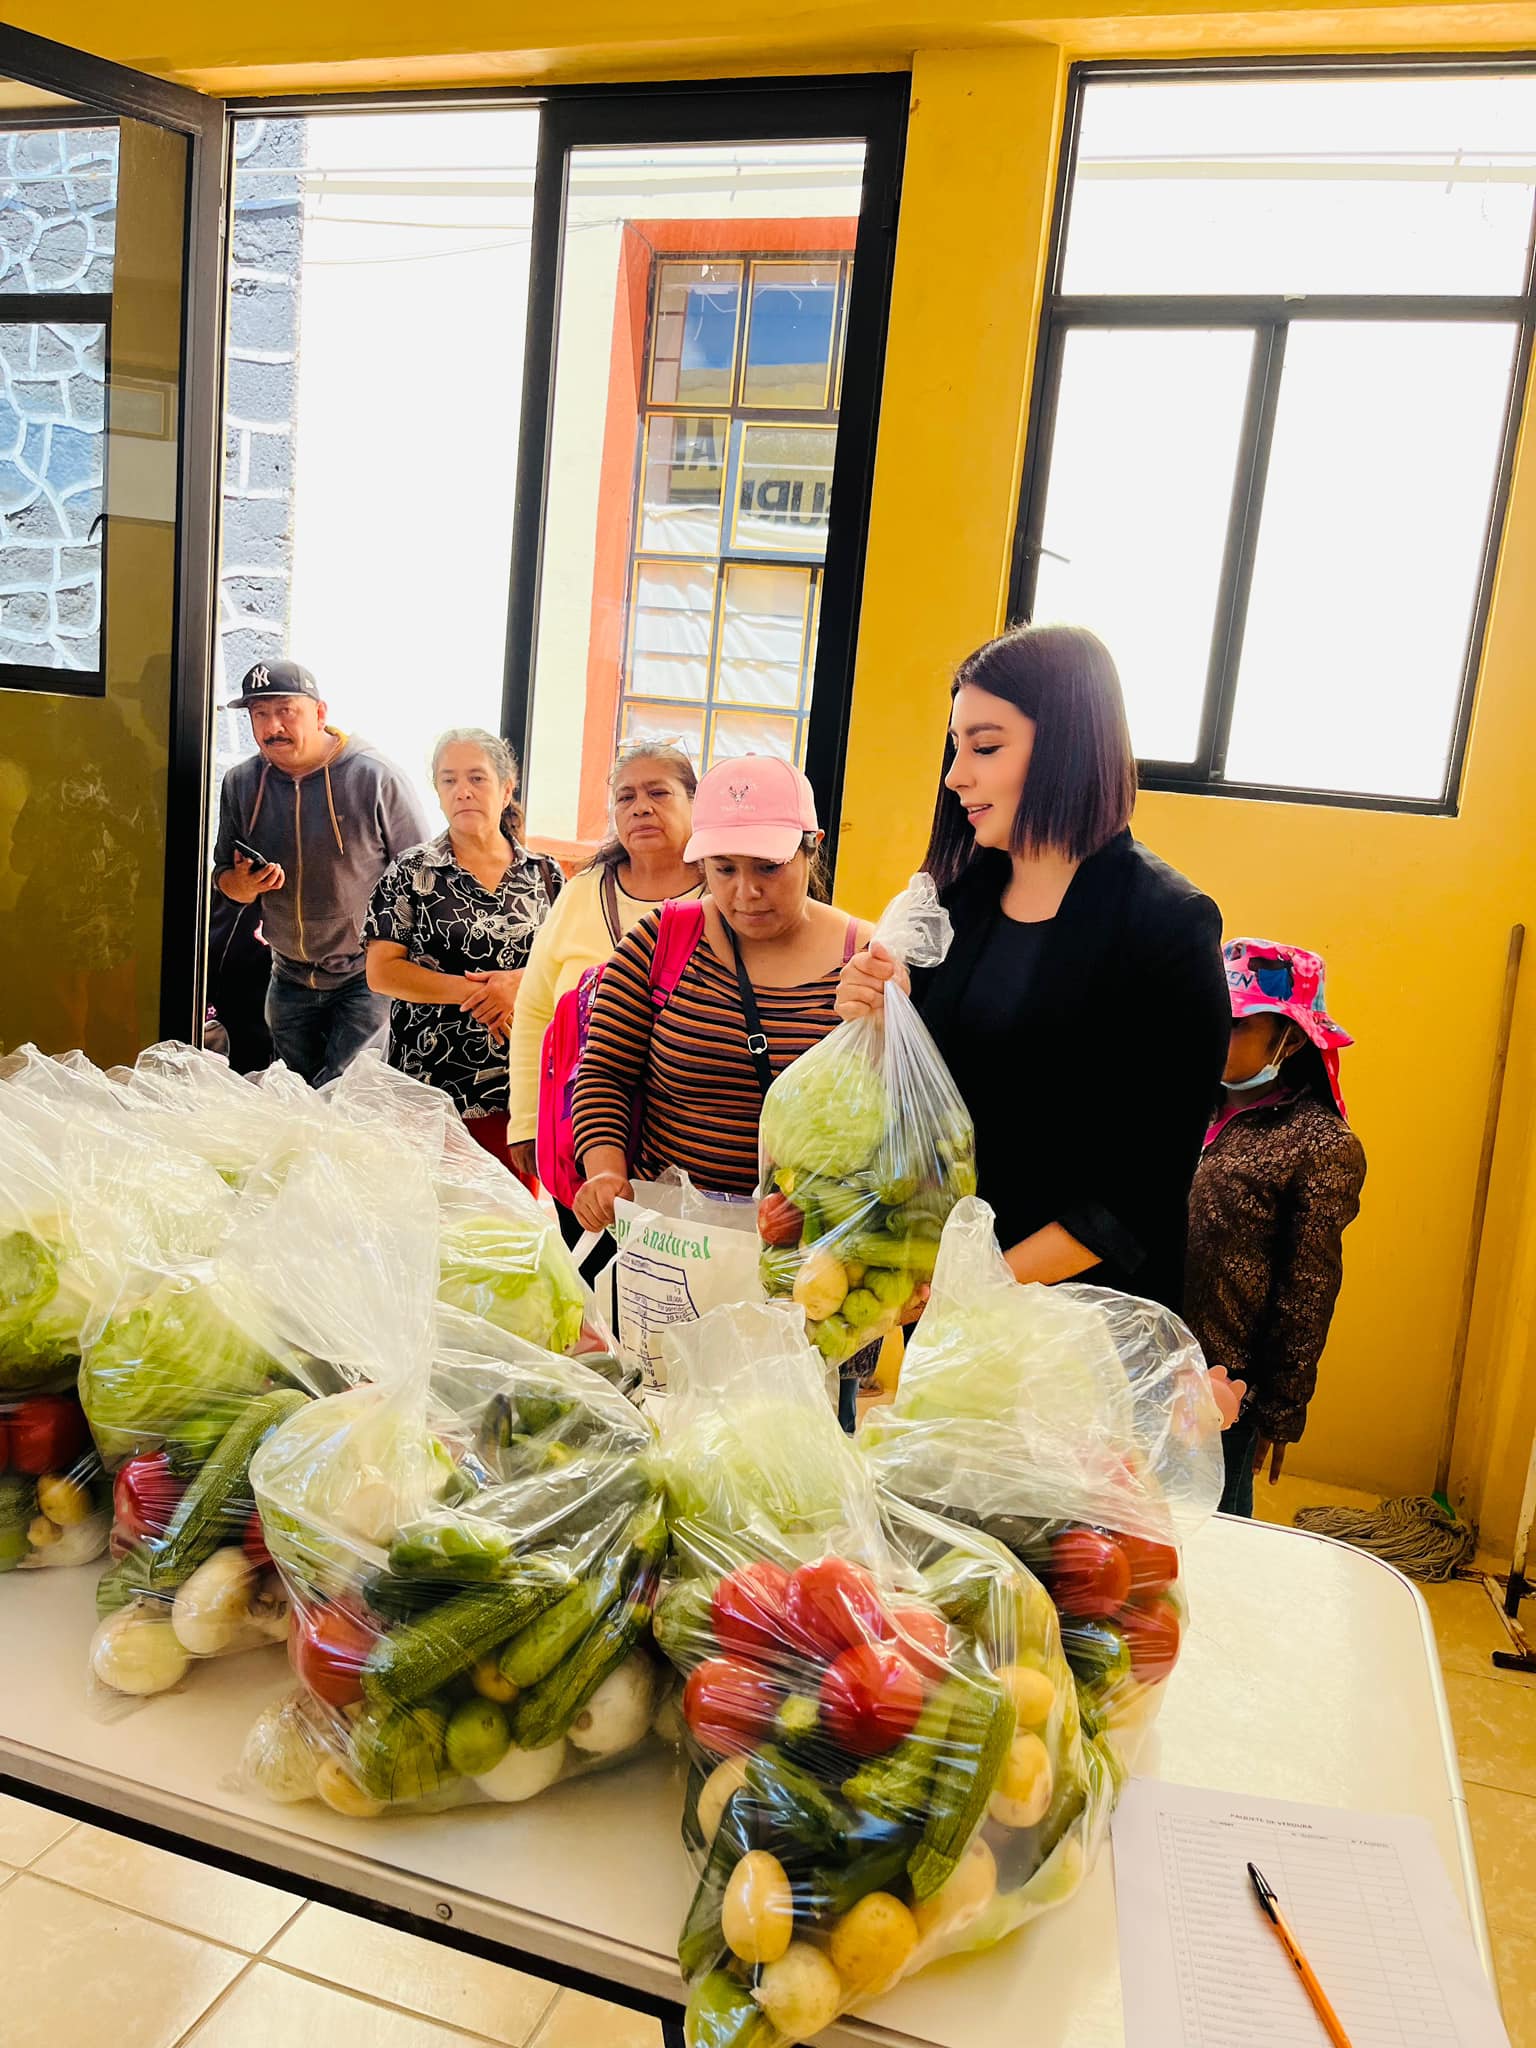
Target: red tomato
{"points": [[1151, 1629], [746, 1610], [254, 1544], [47, 1433], [729, 1705], [779, 1221], [833, 1605], [1089, 1575], [145, 1496], [328, 1647], [5, 1447], [922, 1636], [1154, 1566], [870, 1698]]}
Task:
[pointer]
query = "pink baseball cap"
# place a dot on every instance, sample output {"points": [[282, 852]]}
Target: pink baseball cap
{"points": [[756, 806]]}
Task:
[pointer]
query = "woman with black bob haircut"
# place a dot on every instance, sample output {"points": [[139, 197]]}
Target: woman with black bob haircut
{"points": [[1082, 1007]]}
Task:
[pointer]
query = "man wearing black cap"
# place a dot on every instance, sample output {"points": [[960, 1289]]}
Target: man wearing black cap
{"points": [[327, 814]]}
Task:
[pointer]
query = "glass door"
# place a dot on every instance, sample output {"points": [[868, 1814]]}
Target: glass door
{"points": [[707, 303], [110, 187]]}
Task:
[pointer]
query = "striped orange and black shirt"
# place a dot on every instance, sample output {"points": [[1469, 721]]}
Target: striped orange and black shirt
{"points": [[688, 1063]]}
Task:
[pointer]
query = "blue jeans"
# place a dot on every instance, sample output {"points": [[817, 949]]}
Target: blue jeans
{"points": [[1237, 1447], [318, 1032]]}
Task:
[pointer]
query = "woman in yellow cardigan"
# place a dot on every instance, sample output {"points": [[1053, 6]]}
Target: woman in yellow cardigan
{"points": [[640, 865]]}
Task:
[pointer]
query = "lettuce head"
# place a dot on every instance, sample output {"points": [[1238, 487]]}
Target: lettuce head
{"points": [[173, 1369], [517, 1275], [827, 1113]]}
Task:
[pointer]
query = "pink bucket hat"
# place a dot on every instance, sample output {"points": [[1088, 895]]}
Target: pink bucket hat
{"points": [[756, 806], [1288, 982]]}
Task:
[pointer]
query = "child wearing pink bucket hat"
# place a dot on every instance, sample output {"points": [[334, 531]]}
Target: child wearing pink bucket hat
{"points": [[1278, 1183]]}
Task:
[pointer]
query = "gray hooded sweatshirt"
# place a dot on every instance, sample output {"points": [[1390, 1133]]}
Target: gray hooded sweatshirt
{"points": [[334, 831]]}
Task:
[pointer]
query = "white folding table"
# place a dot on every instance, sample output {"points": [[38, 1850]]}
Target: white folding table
{"points": [[1309, 1673]]}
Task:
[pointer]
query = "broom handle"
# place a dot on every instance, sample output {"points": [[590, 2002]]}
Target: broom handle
{"points": [[1480, 1205]]}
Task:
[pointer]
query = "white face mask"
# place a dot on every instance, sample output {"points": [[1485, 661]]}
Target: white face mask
{"points": [[1268, 1074]]}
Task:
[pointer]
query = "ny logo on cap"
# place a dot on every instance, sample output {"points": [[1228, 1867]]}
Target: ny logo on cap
{"points": [[260, 678]]}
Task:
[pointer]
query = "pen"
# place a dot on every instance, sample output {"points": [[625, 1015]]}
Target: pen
{"points": [[1304, 1970]]}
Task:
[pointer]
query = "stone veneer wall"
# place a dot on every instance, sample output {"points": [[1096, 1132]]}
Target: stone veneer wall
{"points": [[266, 260]]}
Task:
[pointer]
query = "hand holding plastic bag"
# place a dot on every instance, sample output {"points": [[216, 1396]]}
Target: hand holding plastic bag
{"points": [[885, 1762], [1076, 1426], [865, 1148]]}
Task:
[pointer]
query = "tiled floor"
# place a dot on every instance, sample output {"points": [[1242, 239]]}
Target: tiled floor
{"points": [[1494, 1714], [102, 1939]]}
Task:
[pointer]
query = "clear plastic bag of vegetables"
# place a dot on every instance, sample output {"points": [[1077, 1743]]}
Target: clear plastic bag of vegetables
{"points": [[1076, 1426], [502, 1256], [471, 1544], [55, 1499], [189, 1369], [243, 1127], [44, 1292], [885, 1762], [865, 1147]]}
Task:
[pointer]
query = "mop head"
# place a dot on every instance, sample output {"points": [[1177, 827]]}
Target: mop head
{"points": [[1417, 1533]]}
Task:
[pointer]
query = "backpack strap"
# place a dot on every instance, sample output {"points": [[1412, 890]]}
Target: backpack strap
{"points": [[678, 932], [850, 940]]}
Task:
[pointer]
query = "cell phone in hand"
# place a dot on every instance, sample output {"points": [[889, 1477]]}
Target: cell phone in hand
{"points": [[248, 852]]}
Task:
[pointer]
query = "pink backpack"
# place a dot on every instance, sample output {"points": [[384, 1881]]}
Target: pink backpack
{"points": [[681, 928]]}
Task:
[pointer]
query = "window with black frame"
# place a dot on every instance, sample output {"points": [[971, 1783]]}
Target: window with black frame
{"points": [[58, 209], [1274, 416]]}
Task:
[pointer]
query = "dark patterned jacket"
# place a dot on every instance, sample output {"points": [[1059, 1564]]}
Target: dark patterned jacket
{"points": [[445, 919], [1273, 1195]]}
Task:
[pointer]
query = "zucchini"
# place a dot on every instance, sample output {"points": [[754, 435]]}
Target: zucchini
{"points": [[701, 1941], [400, 1753], [420, 1658], [790, 1798], [893, 1787], [976, 1743], [547, 1709], [684, 1628], [547, 1641], [834, 1889], [204, 1519]]}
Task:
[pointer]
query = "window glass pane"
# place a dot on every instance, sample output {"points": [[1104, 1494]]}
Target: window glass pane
{"points": [[52, 405], [58, 209], [1374, 519], [682, 484], [753, 732], [763, 629], [784, 494], [693, 348], [1140, 489], [643, 721], [658, 425], [672, 629], [789, 336], [1319, 185], [367, 498]]}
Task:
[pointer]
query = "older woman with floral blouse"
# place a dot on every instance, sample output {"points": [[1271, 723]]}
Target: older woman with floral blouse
{"points": [[450, 928]]}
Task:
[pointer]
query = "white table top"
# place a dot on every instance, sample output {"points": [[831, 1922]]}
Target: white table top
{"points": [[1309, 1673]]}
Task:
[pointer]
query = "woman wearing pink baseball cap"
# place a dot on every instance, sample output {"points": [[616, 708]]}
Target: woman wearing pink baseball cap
{"points": [[1278, 1184], [677, 1078]]}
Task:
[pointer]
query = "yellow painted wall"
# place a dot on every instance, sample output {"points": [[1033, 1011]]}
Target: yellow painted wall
{"points": [[1413, 913]]}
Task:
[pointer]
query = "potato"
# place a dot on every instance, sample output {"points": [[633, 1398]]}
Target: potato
{"points": [[1023, 1794], [757, 1917], [1032, 1693], [801, 1993], [344, 1793], [967, 1895], [723, 1780], [62, 1501], [821, 1285], [871, 1944]]}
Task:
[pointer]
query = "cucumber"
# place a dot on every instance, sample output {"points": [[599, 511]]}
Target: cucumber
{"points": [[701, 1941], [203, 1520], [547, 1709], [792, 1800], [420, 1658]]}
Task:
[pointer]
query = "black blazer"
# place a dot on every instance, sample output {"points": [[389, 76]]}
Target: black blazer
{"points": [[1096, 1122]]}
